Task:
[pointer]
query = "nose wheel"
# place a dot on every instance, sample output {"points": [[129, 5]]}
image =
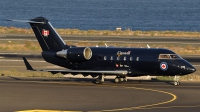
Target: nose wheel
{"points": [[176, 80], [176, 83]]}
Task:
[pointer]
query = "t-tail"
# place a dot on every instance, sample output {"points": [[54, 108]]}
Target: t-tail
{"points": [[46, 35]]}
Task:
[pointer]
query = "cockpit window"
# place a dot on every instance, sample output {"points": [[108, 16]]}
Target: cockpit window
{"points": [[164, 56], [169, 56], [174, 56]]}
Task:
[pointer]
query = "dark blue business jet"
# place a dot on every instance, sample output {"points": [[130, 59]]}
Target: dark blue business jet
{"points": [[105, 61]]}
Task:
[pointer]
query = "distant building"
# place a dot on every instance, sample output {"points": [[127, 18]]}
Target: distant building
{"points": [[118, 28]]}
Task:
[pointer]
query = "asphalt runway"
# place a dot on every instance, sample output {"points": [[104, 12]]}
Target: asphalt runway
{"points": [[72, 94]]}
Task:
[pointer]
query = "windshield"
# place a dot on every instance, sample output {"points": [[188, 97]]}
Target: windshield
{"points": [[169, 56]]}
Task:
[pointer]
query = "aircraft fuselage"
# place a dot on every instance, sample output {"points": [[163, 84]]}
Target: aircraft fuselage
{"points": [[137, 61]]}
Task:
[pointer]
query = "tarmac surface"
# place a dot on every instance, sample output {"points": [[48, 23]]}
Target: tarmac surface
{"points": [[81, 94], [74, 94]]}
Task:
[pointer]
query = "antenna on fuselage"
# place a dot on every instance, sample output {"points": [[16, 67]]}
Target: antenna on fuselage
{"points": [[106, 45], [148, 46]]}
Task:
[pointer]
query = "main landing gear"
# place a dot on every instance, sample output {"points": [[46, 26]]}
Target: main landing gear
{"points": [[176, 80], [100, 79], [119, 79]]}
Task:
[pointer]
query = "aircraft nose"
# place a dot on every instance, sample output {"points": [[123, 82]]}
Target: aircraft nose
{"points": [[191, 69]]}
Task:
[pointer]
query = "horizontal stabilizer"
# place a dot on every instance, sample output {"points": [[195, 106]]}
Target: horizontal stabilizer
{"points": [[27, 64], [26, 21]]}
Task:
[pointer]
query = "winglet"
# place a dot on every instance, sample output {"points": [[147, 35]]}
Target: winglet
{"points": [[28, 66]]}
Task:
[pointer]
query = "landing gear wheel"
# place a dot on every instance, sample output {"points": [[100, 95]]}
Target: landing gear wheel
{"points": [[176, 80], [176, 83], [117, 80], [121, 79], [125, 79], [98, 81]]}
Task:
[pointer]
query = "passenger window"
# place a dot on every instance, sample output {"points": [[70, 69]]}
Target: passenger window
{"points": [[137, 59], [111, 58], [124, 58], [100, 57], [105, 57], [131, 58]]}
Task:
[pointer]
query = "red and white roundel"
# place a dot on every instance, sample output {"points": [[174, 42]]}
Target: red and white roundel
{"points": [[163, 66]]}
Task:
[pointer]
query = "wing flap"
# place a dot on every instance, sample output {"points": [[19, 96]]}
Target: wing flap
{"points": [[124, 72]]}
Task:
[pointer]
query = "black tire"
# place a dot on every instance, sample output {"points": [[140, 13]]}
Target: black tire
{"points": [[176, 83], [117, 80], [97, 81], [179, 83]]}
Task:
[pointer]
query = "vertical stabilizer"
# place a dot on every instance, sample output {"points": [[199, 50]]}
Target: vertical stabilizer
{"points": [[46, 35]]}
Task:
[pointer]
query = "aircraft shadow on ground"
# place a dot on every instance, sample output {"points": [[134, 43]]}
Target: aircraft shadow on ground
{"points": [[15, 78], [91, 80]]}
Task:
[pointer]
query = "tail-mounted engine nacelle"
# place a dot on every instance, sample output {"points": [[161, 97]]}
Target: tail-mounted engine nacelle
{"points": [[76, 54]]}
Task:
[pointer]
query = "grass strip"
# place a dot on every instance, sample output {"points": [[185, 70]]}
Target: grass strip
{"points": [[33, 46], [66, 31]]}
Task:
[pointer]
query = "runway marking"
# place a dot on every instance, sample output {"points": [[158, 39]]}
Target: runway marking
{"points": [[120, 109], [168, 107], [174, 97]]}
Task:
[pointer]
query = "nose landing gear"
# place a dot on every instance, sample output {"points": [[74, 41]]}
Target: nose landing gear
{"points": [[176, 80], [100, 79]]}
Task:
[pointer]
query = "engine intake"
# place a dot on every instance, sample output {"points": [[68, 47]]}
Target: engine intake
{"points": [[76, 54]]}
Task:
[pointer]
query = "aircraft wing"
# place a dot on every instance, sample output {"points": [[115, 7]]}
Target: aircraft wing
{"points": [[88, 72], [100, 72]]}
